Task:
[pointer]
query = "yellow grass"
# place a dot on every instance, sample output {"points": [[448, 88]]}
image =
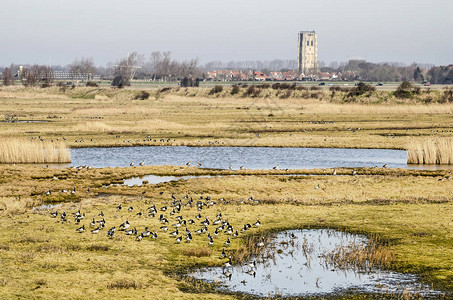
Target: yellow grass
{"points": [[15, 150], [431, 151]]}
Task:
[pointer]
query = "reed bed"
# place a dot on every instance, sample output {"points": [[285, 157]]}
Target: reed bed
{"points": [[33, 151], [432, 151]]}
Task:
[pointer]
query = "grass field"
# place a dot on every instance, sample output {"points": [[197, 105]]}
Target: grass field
{"points": [[408, 211]]}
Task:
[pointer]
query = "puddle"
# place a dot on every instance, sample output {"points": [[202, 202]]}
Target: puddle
{"points": [[25, 121], [300, 266], [153, 179], [46, 207]]}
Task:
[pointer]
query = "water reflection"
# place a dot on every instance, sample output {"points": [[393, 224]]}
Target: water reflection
{"points": [[236, 157], [296, 263]]}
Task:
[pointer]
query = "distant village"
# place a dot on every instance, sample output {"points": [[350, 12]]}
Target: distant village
{"points": [[239, 75]]}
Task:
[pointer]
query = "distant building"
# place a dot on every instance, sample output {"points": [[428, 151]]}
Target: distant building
{"points": [[307, 52], [65, 75]]}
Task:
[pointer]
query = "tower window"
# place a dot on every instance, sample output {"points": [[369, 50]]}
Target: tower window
{"points": [[312, 43], [308, 43]]}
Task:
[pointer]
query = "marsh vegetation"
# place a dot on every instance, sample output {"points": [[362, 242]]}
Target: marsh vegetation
{"points": [[407, 213]]}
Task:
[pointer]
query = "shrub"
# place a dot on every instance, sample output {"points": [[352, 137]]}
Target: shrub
{"points": [[252, 92], [91, 84], [235, 89], [447, 96], [404, 91], [286, 95], [361, 89], [142, 96], [216, 89], [62, 86]]}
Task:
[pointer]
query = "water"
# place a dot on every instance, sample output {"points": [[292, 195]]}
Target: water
{"points": [[153, 179], [248, 157], [298, 267]]}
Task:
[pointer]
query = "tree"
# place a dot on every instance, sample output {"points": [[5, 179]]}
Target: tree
{"points": [[8, 77], [418, 76], [84, 66], [127, 67]]}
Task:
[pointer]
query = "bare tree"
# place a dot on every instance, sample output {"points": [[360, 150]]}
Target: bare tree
{"points": [[47, 75], [8, 77], [84, 66], [127, 67], [30, 76]]}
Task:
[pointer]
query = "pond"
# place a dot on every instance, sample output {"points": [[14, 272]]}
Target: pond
{"points": [[248, 157], [307, 263]]}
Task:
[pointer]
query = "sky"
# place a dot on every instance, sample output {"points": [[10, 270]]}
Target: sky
{"points": [[58, 31]]}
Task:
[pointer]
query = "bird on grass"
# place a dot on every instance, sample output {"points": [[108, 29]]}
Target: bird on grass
{"points": [[257, 223], [54, 214], [223, 255], [251, 272], [81, 229], [95, 231], [227, 242], [179, 239]]}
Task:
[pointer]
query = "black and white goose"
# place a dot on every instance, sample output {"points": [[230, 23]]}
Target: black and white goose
{"points": [[227, 243], [81, 229], [223, 255], [124, 226], [54, 214], [178, 239], [93, 223], [131, 232], [95, 231], [257, 224]]}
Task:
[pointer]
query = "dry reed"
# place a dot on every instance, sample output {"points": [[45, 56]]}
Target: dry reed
{"points": [[432, 151], [33, 151]]}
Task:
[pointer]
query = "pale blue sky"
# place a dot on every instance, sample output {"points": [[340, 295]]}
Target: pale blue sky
{"points": [[32, 31]]}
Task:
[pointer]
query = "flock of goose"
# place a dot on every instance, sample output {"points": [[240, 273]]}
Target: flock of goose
{"points": [[173, 223]]}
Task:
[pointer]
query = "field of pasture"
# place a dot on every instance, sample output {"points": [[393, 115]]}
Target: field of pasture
{"points": [[408, 213]]}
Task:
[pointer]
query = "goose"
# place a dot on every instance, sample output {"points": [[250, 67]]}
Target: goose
{"points": [[251, 272], [219, 216], [228, 274], [64, 191], [54, 214], [211, 240], [93, 223], [354, 173], [124, 226], [88, 190], [229, 230], [230, 168], [118, 207], [130, 209], [177, 225], [178, 239], [81, 229], [198, 216], [198, 164], [146, 232], [139, 238], [236, 234], [334, 172], [73, 191], [131, 164], [228, 263], [257, 223], [154, 235], [63, 218], [261, 243], [174, 233], [190, 221], [223, 255], [251, 265], [227, 243], [48, 193], [275, 168], [130, 232], [96, 230], [188, 238], [101, 214], [188, 163], [164, 228], [292, 235], [241, 168], [385, 166], [139, 213], [163, 208], [142, 163]]}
